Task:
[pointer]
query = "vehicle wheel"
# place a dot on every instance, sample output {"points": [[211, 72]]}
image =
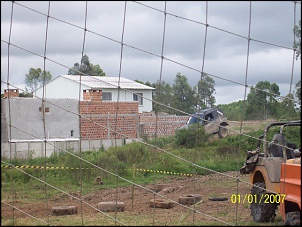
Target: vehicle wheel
{"points": [[161, 203], [189, 199], [223, 131], [261, 211], [293, 218], [64, 210], [218, 198]]}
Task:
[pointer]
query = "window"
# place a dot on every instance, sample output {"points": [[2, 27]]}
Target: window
{"points": [[46, 109], [107, 96], [71, 133], [209, 117], [138, 97]]}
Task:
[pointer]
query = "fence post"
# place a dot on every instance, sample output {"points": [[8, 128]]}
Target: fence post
{"points": [[133, 178]]}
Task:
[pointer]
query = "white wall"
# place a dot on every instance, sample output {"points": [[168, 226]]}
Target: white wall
{"points": [[27, 119], [61, 88]]}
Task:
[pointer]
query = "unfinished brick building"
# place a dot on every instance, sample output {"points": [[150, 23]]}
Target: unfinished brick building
{"points": [[101, 124], [107, 120]]}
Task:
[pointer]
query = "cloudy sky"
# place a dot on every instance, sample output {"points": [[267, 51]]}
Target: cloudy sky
{"points": [[221, 50]]}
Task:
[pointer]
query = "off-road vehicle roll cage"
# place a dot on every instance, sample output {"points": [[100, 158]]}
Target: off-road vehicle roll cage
{"points": [[279, 146]]}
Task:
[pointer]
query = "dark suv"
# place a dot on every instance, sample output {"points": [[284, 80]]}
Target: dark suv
{"points": [[213, 120]]}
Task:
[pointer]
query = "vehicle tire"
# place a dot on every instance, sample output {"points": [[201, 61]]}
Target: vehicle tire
{"points": [[293, 218], [161, 203], [261, 211], [223, 131], [111, 206], [64, 210], [189, 199], [218, 198]]}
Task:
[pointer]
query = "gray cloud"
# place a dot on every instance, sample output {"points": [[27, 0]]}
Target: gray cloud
{"points": [[225, 53]]}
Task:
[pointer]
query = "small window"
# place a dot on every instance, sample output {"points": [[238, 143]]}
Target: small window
{"points": [[209, 117], [71, 133], [138, 97], [107, 96], [46, 109]]}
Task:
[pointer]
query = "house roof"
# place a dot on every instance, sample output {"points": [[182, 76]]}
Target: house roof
{"points": [[107, 82]]}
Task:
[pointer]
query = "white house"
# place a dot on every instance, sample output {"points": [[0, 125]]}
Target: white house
{"points": [[68, 86]]}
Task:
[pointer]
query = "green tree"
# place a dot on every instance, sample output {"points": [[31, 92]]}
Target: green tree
{"points": [[183, 95], [35, 78], [205, 90], [233, 110], [139, 81], [163, 95], [148, 84], [287, 108], [25, 94], [298, 90], [87, 68], [261, 101], [297, 43], [298, 95]]}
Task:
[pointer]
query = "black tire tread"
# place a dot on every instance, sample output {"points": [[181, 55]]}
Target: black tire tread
{"points": [[262, 212], [222, 132], [293, 218], [218, 198]]}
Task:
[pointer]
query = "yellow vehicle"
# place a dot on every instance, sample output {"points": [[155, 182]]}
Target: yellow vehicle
{"points": [[264, 166]]}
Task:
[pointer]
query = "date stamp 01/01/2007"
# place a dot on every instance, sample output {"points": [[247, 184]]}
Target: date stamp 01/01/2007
{"points": [[264, 198]]}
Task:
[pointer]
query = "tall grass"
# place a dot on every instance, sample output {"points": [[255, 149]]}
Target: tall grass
{"points": [[220, 155]]}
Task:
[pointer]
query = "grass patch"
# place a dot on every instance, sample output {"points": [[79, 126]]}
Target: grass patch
{"points": [[220, 155]]}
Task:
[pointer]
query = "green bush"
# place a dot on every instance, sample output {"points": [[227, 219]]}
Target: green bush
{"points": [[191, 137]]}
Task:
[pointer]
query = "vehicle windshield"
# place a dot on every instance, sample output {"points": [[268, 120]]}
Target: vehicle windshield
{"points": [[194, 119]]}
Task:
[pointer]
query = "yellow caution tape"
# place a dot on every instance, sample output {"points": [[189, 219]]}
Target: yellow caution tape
{"points": [[42, 167], [163, 172], [77, 168]]}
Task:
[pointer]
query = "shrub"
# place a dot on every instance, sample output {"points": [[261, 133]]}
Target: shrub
{"points": [[191, 137]]}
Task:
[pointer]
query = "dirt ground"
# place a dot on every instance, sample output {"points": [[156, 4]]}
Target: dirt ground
{"points": [[137, 209]]}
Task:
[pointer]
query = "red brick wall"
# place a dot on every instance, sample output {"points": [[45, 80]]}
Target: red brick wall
{"points": [[166, 124], [104, 127], [11, 93], [99, 119], [92, 95]]}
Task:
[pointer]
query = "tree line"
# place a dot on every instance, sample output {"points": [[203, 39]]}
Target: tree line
{"points": [[263, 101]]}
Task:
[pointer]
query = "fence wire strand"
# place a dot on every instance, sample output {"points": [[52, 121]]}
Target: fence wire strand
{"points": [[162, 58]]}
